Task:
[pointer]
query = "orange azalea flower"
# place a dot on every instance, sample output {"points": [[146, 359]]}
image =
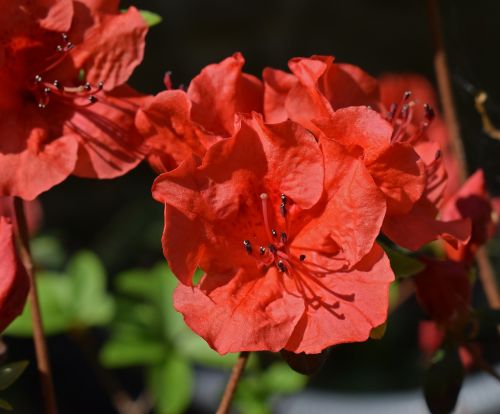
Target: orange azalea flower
{"points": [[287, 245], [64, 106]]}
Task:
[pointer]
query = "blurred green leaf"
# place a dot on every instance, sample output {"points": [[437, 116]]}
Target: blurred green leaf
{"points": [[280, 378], [379, 331], [443, 381], [5, 405], [47, 252], [10, 373], [92, 304], [393, 294], [71, 299], [171, 384], [402, 264], [249, 405], [152, 19], [118, 354]]}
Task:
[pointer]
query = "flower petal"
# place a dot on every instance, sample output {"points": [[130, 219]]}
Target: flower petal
{"points": [[277, 85], [246, 313], [348, 305]]}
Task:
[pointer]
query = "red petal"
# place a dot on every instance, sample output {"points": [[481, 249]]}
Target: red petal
{"points": [[277, 85], [220, 91], [109, 144], [248, 313], [400, 174], [14, 282], [112, 46], [172, 137], [420, 226], [350, 305]]}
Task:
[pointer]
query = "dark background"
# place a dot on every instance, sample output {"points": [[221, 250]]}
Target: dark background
{"points": [[119, 220]]}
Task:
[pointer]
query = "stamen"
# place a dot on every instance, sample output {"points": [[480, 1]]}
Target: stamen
{"points": [[262, 250], [283, 237], [283, 209], [406, 95], [302, 257], [281, 266], [429, 112], [248, 246], [263, 198], [274, 233], [92, 99], [283, 198], [57, 84], [272, 248], [38, 79]]}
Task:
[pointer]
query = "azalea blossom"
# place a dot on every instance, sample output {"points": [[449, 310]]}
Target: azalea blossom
{"points": [[178, 123], [285, 232], [65, 107]]}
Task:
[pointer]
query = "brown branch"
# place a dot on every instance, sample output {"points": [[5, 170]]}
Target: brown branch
{"points": [[486, 273], [238, 368], [42, 357]]}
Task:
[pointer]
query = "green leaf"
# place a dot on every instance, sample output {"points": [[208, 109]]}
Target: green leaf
{"points": [[92, 305], [249, 405], [47, 252], [379, 331], [402, 264], [393, 294], [10, 373], [443, 381], [120, 354], [152, 19], [56, 295], [170, 385], [280, 378], [5, 405]]}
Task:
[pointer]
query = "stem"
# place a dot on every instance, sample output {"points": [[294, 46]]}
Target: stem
{"points": [[42, 357], [486, 273], [239, 366]]}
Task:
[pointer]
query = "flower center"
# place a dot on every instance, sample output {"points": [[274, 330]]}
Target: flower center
{"points": [[275, 251], [75, 96], [401, 114]]}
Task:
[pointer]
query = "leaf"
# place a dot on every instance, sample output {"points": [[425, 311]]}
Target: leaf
{"points": [[279, 378], [120, 354], [56, 295], [5, 405], [10, 373], [170, 384], [379, 331], [402, 264], [152, 19], [92, 305], [443, 381]]}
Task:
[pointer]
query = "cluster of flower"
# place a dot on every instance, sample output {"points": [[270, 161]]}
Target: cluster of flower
{"points": [[277, 188]]}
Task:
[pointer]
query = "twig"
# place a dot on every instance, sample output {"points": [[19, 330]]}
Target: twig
{"points": [[42, 357], [238, 368], [488, 127], [486, 273]]}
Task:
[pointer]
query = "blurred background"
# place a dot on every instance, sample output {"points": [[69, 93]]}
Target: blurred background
{"points": [[121, 334]]}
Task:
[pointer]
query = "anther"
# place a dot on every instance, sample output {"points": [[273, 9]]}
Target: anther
{"points": [[283, 237], [406, 95], [87, 86], [100, 85], [46, 90], [262, 250], [59, 48], [281, 266], [438, 154], [92, 99], [248, 246], [283, 198], [272, 248], [405, 110], [57, 84], [302, 257], [274, 233], [283, 209], [429, 112], [392, 111], [64, 36], [41, 105], [38, 79], [70, 46]]}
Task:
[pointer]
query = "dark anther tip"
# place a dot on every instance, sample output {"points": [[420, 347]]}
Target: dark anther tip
{"points": [[248, 246], [283, 237], [407, 95], [38, 79], [281, 266], [274, 233], [87, 86], [262, 250], [302, 257], [92, 99]]}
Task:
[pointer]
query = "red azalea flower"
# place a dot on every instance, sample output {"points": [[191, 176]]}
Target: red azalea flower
{"points": [[56, 117], [472, 202], [14, 282], [287, 246], [179, 123]]}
